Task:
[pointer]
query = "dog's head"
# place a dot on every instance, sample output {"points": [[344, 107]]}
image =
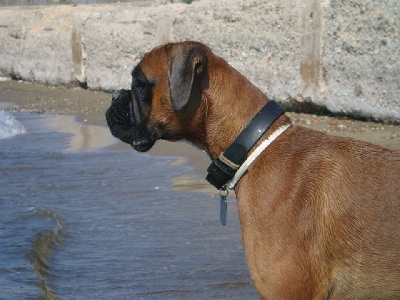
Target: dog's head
{"points": [[164, 98]]}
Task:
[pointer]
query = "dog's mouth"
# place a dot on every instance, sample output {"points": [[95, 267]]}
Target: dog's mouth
{"points": [[142, 146], [124, 124]]}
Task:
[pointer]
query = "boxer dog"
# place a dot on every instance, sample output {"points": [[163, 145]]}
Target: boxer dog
{"points": [[319, 215]]}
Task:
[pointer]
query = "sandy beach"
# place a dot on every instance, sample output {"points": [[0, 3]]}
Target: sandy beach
{"points": [[89, 106]]}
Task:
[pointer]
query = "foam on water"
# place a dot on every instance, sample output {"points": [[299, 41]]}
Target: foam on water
{"points": [[9, 126]]}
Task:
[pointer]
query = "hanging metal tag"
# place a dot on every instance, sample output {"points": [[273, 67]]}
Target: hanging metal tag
{"points": [[223, 205]]}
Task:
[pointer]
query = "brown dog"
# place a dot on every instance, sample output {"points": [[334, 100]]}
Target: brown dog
{"points": [[320, 215]]}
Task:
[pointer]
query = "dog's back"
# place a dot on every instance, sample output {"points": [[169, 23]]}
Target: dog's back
{"points": [[340, 209], [360, 223]]}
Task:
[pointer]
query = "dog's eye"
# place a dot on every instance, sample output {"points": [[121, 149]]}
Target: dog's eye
{"points": [[142, 89], [139, 88]]}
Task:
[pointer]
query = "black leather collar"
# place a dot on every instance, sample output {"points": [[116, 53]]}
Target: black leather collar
{"points": [[225, 166]]}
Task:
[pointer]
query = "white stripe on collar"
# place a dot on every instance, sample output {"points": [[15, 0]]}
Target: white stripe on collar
{"points": [[252, 157]]}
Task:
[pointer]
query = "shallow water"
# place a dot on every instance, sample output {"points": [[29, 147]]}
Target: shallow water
{"points": [[80, 219]]}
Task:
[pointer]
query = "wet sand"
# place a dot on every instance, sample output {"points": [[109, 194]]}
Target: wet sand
{"points": [[89, 106]]}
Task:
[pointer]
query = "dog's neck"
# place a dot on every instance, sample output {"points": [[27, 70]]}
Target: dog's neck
{"points": [[218, 123]]}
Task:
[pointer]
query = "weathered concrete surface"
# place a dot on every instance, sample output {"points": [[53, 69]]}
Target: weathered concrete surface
{"points": [[341, 56]]}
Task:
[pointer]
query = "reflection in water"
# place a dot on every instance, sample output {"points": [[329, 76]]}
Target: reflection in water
{"points": [[43, 247], [84, 137]]}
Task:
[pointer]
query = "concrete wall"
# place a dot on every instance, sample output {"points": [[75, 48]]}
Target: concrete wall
{"points": [[337, 56]]}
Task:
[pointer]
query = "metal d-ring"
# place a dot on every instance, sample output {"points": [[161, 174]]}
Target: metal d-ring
{"points": [[222, 192], [223, 206]]}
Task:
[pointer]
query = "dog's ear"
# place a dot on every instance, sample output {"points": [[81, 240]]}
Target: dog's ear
{"points": [[187, 73]]}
